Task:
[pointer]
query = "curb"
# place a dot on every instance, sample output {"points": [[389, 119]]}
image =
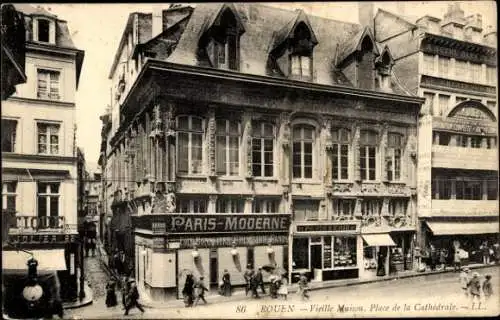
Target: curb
{"points": [[88, 300]]}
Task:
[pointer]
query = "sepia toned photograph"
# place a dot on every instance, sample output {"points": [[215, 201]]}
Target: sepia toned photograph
{"points": [[251, 160]]}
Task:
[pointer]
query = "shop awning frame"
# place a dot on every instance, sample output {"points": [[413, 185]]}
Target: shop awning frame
{"points": [[48, 260], [442, 228], [379, 239]]}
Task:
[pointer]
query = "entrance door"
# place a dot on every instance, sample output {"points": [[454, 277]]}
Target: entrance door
{"points": [[214, 266], [316, 256]]}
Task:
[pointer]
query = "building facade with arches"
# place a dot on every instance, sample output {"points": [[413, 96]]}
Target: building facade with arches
{"points": [[451, 62]]}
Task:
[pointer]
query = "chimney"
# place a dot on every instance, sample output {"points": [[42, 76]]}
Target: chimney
{"points": [[365, 14], [157, 21]]}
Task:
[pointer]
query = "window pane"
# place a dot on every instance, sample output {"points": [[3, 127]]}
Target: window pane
{"points": [[268, 170], [11, 187], [42, 206], [54, 188], [182, 157], [183, 123], [42, 187], [54, 206], [335, 163], [268, 130], [221, 127], [256, 170], [308, 172], [221, 155]]}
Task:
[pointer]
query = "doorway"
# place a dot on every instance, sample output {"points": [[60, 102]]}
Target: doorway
{"points": [[316, 256], [214, 267]]}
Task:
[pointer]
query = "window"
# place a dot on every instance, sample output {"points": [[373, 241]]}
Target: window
{"points": [[266, 206], [444, 138], [461, 70], [300, 66], [9, 128], [229, 205], [444, 66], [368, 154], [48, 199], [429, 64], [303, 141], [492, 192], [226, 52], [9, 196], [491, 75], [48, 84], [475, 141], [462, 141], [228, 147], [429, 102], [43, 30], [192, 205], [48, 138], [344, 252], [444, 102], [371, 207], [491, 143], [300, 253], [305, 210], [460, 99], [189, 145], [398, 207], [341, 141], [393, 156], [469, 189], [476, 73], [344, 207], [262, 149], [441, 189]]}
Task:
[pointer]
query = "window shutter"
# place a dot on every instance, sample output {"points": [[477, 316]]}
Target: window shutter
{"points": [[211, 52]]}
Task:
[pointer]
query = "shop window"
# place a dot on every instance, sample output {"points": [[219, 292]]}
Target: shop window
{"points": [[229, 205], [398, 207], [444, 138], [48, 138], [341, 141], [393, 156], [429, 64], [344, 252], [344, 207], [9, 195], [462, 140], [303, 142], [189, 144], [492, 192], [192, 205], [305, 210], [368, 155], [262, 149], [48, 84], [327, 252], [9, 130], [265, 205], [300, 255], [469, 189], [371, 207], [48, 199], [441, 189], [475, 141], [228, 147]]}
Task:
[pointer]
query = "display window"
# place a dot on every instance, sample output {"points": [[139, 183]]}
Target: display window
{"points": [[344, 252]]}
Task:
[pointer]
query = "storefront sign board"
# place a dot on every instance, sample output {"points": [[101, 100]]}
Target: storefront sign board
{"points": [[327, 228], [243, 241]]}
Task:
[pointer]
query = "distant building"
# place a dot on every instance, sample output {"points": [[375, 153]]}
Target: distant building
{"points": [[39, 161], [249, 135], [451, 61]]}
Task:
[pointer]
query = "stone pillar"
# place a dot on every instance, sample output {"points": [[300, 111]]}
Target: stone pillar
{"points": [[247, 144], [170, 142], [453, 189], [285, 142], [248, 205], [328, 160], [212, 203], [435, 139], [211, 162]]}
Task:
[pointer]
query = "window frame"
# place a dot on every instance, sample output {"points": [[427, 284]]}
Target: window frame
{"points": [[297, 63], [396, 162], [48, 195], [47, 72], [337, 156], [6, 194], [262, 138], [192, 204], [339, 205], [12, 135], [303, 141], [190, 148], [365, 148], [264, 203], [48, 143], [231, 204], [227, 148]]}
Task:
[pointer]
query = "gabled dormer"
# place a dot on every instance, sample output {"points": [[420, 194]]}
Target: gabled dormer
{"points": [[221, 38], [291, 53], [383, 68], [44, 27], [356, 59]]}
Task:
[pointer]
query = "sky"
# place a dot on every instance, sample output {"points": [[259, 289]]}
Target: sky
{"points": [[97, 29]]}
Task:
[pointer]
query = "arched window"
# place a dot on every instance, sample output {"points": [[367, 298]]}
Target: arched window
{"points": [[303, 146], [368, 155], [228, 147], [189, 144], [262, 149], [341, 140]]}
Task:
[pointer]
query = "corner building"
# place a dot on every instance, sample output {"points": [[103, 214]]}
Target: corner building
{"points": [[452, 63], [253, 135]]}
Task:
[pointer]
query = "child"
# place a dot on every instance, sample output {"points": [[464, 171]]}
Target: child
{"points": [[487, 287], [475, 287], [303, 288], [283, 289], [464, 280]]}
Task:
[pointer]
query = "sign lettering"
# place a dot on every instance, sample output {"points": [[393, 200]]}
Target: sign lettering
{"points": [[212, 242], [42, 239], [326, 227]]}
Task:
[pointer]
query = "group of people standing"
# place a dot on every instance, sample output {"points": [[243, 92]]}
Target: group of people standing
{"points": [[278, 284], [472, 286], [130, 295], [194, 291]]}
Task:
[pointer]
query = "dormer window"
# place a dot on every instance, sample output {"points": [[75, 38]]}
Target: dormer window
{"points": [[226, 52], [384, 64], [44, 30], [301, 52]]}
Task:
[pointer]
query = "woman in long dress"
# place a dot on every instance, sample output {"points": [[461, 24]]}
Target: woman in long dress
{"points": [[283, 289], [111, 300], [226, 283]]}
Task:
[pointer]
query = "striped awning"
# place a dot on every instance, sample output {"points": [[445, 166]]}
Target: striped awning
{"points": [[450, 228], [377, 240]]}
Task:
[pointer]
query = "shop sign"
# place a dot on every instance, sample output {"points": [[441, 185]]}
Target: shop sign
{"points": [[465, 126], [215, 223], [327, 228], [242, 241], [42, 238]]}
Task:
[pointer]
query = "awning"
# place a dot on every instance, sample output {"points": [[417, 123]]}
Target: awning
{"points": [[48, 260], [376, 240], [458, 228]]}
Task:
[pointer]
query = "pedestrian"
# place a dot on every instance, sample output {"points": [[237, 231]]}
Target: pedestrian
{"points": [[456, 260], [496, 250], [475, 287], [226, 283], [283, 289], [487, 287], [443, 254], [200, 289], [303, 287], [433, 257], [188, 290], [464, 280], [133, 298], [111, 300], [260, 280], [485, 251], [254, 284], [248, 276], [125, 290]]}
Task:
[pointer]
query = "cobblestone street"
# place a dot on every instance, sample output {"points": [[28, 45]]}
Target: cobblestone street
{"points": [[96, 277]]}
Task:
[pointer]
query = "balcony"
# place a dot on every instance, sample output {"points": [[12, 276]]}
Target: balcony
{"points": [[469, 208], [464, 158], [31, 224]]}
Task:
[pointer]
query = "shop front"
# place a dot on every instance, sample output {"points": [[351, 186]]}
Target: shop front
{"points": [[168, 247], [325, 250]]}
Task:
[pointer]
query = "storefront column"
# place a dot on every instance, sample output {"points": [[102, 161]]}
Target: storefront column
{"points": [[360, 256], [485, 189], [212, 203], [248, 205]]}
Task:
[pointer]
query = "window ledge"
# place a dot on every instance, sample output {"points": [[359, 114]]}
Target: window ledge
{"points": [[191, 176], [230, 178], [370, 182], [265, 179], [311, 181]]}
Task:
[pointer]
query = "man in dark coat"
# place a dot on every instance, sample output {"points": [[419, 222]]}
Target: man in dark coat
{"points": [[199, 288], [188, 291], [133, 298], [248, 277], [260, 280], [254, 285]]}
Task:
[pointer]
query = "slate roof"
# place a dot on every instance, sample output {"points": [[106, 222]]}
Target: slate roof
{"points": [[353, 44]]}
